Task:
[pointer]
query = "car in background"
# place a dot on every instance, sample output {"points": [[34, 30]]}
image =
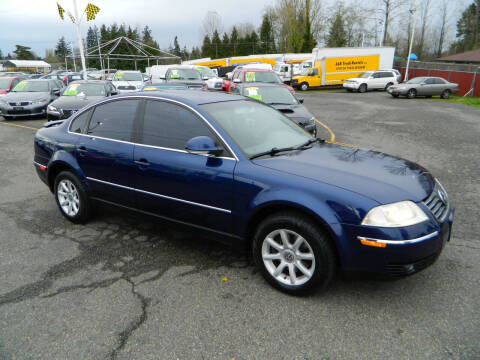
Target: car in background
{"points": [[77, 95], [56, 77], [7, 83], [233, 167], [13, 73], [29, 98], [187, 75], [160, 87], [424, 86], [280, 98], [128, 81], [211, 79], [371, 80], [250, 75]]}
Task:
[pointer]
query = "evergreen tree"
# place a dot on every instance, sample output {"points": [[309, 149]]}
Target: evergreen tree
{"points": [[337, 37], [196, 53], [468, 31], [91, 37], [61, 51], [226, 49], [185, 54], [266, 35], [254, 42], [23, 53], [234, 41], [308, 42], [216, 45], [104, 34], [206, 47], [147, 36], [1, 54], [132, 33], [176, 48], [113, 30]]}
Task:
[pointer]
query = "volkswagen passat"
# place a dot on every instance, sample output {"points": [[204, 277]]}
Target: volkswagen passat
{"points": [[238, 168]]}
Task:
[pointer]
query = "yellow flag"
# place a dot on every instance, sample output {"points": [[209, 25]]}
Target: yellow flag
{"points": [[91, 10], [71, 17], [60, 11]]}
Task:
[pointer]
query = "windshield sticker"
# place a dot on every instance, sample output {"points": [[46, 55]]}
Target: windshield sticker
{"points": [[150, 89], [255, 96], [20, 85], [252, 90], [250, 77], [119, 75], [174, 74], [72, 90], [200, 70]]}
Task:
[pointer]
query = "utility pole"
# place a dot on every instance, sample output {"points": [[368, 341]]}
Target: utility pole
{"points": [[412, 11], [79, 38]]}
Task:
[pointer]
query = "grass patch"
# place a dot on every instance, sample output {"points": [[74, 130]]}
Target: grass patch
{"points": [[470, 101]]}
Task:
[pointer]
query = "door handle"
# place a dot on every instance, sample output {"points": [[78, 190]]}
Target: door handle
{"points": [[142, 162]]}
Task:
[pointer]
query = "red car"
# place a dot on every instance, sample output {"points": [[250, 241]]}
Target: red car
{"points": [[253, 75], [8, 83]]}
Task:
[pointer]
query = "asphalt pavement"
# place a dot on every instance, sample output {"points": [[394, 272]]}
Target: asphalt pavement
{"points": [[126, 286]]}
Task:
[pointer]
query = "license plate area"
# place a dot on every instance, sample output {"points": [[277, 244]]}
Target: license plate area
{"points": [[18, 108]]}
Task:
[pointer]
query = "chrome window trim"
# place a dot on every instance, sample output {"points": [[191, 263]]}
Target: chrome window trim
{"points": [[161, 196], [78, 113], [400, 242]]}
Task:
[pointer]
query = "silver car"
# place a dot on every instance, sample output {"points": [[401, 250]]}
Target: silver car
{"points": [[424, 86]]}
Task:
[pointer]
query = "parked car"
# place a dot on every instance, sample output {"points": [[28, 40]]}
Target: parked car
{"points": [[185, 75], [160, 87], [7, 83], [68, 78], [424, 86], [128, 81], [371, 80], [77, 95], [211, 79], [280, 98], [246, 75], [236, 168], [29, 98]]}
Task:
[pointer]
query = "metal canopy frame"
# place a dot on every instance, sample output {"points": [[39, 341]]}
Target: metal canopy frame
{"points": [[143, 52]]}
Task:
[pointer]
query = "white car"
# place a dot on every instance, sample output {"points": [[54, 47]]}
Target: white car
{"points": [[128, 81], [372, 80], [211, 79]]}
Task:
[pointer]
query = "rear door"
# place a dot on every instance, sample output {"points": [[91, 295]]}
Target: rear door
{"points": [[171, 182], [105, 152], [428, 88]]}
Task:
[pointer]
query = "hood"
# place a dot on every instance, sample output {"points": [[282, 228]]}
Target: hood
{"points": [[126, 83], [74, 102], [297, 112], [189, 83], [25, 96], [378, 176]]}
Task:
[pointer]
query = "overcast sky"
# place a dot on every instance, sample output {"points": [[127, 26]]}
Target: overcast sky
{"points": [[36, 23]]}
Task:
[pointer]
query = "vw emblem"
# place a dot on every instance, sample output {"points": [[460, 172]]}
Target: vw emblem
{"points": [[442, 196], [18, 104]]}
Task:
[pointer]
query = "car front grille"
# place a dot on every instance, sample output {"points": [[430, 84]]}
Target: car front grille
{"points": [[68, 113], [438, 202], [400, 270], [122, 87], [18, 112], [23, 103]]}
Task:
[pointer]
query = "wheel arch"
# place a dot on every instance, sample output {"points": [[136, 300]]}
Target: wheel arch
{"points": [[62, 161]]}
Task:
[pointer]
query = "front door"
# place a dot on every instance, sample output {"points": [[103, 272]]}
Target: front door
{"points": [[105, 153], [171, 182]]}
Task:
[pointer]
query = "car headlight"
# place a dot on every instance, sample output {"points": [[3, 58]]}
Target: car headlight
{"points": [[41, 101], [3, 102], [139, 86], [52, 108], [312, 120], [399, 214]]}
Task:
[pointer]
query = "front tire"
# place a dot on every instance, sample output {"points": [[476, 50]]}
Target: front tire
{"points": [[304, 86], [446, 94], [363, 88], [388, 85], [294, 254], [412, 94], [71, 197]]}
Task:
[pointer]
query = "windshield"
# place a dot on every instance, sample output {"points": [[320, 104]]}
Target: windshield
{"points": [[416, 80], [128, 76], [206, 72], [85, 90], [271, 94], [184, 74], [262, 76], [32, 86], [365, 75], [4, 83], [254, 127]]}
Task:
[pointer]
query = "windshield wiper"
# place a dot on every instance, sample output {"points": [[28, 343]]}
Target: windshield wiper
{"points": [[279, 103], [275, 150], [308, 143]]}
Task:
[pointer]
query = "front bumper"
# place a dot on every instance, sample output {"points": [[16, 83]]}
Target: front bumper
{"points": [[23, 111], [396, 91], [405, 251], [126, 91], [351, 85]]}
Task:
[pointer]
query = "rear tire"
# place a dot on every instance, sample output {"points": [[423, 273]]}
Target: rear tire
{"points": [[362, 88], [71, 197], [294, 254], [304, 86], [446, 94], [412, 94]]}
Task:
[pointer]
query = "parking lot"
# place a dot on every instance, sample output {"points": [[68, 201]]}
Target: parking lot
{"points": [[126, 286]]}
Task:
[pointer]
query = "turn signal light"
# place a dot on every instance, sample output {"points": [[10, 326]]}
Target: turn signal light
{"points": [[372, 243], [42, 168]]}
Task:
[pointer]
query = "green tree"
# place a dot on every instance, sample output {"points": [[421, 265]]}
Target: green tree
{"points": [[50, 56], [267, 35], [216, 45], [147, 36], [185, 54], [254, 40], [308, 42], [23, 53], [176, 47], [468, 32], [196, 53], [234, 41], [1, 54], [206, 46], [225, 49], [337, 36]]}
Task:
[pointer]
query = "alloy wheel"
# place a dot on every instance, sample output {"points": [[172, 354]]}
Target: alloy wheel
{"points": [[68, 197]]}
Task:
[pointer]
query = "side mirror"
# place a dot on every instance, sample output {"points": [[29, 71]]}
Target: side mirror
{"points": [[202, 145], [229, 76], [300, 101], [114, 93], [163, 78], [205, 78], [56, 92], [423, 83], [237, 81]]}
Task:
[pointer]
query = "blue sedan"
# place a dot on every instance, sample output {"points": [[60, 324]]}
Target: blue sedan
{"points": [[240, 169]]}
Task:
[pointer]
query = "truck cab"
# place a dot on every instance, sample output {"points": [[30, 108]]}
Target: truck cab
{"points": [[284, 71], [309, 77]]}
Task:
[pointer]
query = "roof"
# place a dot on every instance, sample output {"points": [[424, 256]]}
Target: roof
{"points": [[29, 63], [254, 70], [189, 97], [469, 56]]}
